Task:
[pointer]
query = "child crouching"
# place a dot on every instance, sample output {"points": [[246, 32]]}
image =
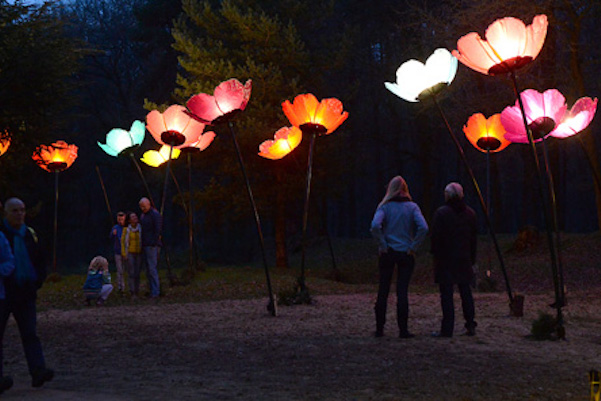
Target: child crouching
{"points": [[98, 283]]}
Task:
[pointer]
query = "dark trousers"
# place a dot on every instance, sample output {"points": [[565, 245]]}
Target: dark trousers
{"points": [[24, 313], [405, 264], [448, 307]]}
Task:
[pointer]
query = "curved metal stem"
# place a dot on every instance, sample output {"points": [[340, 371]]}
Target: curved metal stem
{"points": [[106, 198], [301, 282], [481, 199], [551, 242], [272, 307], [54, 268]]}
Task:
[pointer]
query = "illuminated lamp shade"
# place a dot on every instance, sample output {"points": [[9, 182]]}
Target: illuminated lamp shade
{"points": [[4, 142], [56, 157], [577, 118], [415, 80], [174, 127], [509, 45], [544, 111], [119, 140], [286, 139], [229, 98], [487, 135], [203, 142], [307, 113], [155, 158]]}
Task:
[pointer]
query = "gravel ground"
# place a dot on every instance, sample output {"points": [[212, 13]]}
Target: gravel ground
{"points": [[325, 351]]}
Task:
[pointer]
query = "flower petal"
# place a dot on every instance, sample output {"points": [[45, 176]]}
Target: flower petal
{"points": [[204, 107]]}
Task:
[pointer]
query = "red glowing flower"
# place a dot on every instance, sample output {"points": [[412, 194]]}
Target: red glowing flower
{"points": [[229, 97], [4, 142], [286, 139], [509, 45], [56, 157]]}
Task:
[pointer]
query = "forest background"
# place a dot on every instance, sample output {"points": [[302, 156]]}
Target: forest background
{"points": [[73, 70]]}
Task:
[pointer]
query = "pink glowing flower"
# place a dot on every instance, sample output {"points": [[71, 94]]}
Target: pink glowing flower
{"points": [[576, 119], [174, 127], [547, 114], [229, 97], [509, 45], [543, 112]]}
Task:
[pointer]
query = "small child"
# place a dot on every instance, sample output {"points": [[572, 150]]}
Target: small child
{"points": [[98, 283]]}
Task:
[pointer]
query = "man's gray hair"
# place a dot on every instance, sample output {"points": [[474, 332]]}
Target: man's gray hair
{"points": [[453, 191]]}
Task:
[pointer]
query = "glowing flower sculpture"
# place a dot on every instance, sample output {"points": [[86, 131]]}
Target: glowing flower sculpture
{"points": [[415, 80], [316, 118], [487, 135], [119, 140], [286, 139], [174, 127], [155, 158], [228, 99], [509, 45], [309, 114], [4, 142], [547, 115], [56, 157]]}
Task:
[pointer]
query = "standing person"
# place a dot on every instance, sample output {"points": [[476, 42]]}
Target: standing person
{"points": [[151, 222], [454, 239], [98, 282], [22, 286], [115, 236], [399, 227], [7, 266], [131, 243]]}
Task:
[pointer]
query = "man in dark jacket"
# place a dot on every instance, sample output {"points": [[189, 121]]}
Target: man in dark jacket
{"points": [[151, 222], [454, 238], [22, 287]]}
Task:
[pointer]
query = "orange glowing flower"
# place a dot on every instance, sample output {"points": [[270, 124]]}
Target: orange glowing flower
{"points": [[307, 110], [509, 45], [56, 157], [286, 139], [486, 134], [4, 142]]}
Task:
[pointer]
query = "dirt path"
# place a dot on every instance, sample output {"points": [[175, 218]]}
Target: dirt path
{"points": [[233, 350]]}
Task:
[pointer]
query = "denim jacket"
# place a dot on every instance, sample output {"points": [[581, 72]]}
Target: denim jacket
{"points": [[399, 225]]}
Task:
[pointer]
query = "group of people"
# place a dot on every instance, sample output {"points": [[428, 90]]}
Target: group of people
{"points": [[400, 228], [134, 241]]}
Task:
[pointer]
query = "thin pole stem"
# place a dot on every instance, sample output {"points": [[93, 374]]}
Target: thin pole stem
{"points": [[306, 210], [166, 180], [54, 269], [551, 186], [179, 192], [272, 305], [480, 198], [192, 249], [552, 250], [488, 203], [137, 165], [106, 198]]}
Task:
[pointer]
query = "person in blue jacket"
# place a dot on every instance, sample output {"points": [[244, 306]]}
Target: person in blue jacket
{"points": [[399, 228], [22, 287], [7, 266]]}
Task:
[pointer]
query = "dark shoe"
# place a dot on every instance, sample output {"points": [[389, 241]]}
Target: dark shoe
{"points": [[6, 382], [379, 333], [437, 334], [100, 302], [40, 376], [406, 335], [470, 331]]}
